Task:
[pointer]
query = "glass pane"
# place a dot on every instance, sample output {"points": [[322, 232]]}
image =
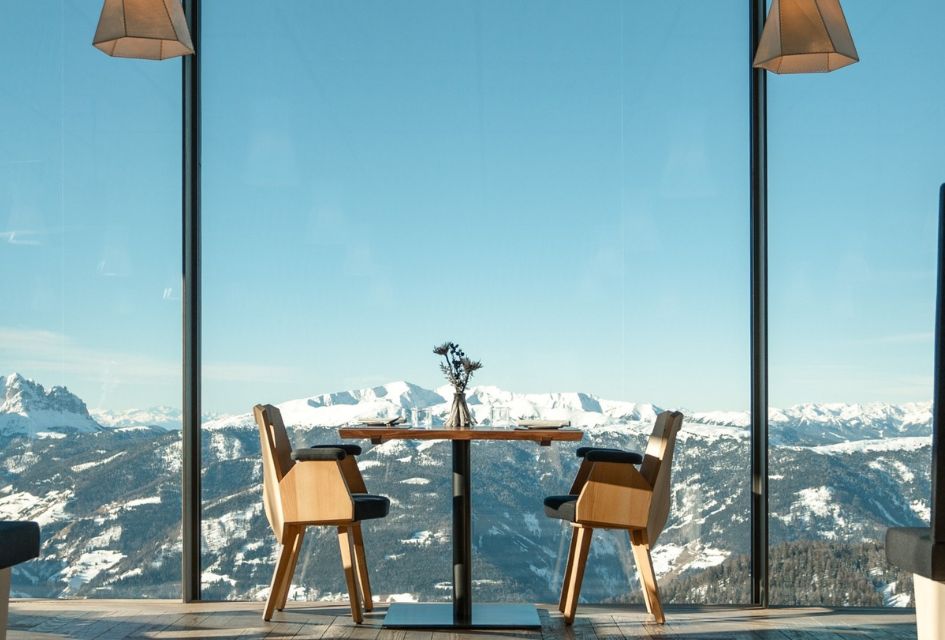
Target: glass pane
{"points": [[557, 187], [855, 163], [90, 329]]}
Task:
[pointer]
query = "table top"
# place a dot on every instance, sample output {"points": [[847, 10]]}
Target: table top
{"points": [[378, 435]]}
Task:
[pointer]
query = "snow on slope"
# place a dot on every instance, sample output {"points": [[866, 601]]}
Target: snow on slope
{"points": [[874, 445]]}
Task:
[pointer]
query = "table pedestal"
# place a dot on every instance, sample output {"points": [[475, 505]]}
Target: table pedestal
{"points": [[462, 533], [462, 613]]}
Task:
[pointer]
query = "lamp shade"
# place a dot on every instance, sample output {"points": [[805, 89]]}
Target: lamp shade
{"points": [[805, 36], [148, 29]]}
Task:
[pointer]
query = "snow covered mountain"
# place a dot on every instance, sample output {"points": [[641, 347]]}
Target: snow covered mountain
{"points": [[111, 514], [800, 425], [168, 418], [811, 424], [29, 409]]}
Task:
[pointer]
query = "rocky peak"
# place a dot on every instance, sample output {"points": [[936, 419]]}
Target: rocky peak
{"points": [[28, 407]]}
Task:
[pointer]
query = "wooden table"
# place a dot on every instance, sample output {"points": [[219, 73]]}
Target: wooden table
{"points": [[462, 613]]}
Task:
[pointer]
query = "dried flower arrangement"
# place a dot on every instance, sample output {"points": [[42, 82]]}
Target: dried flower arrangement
{"points": [[458, 369]]}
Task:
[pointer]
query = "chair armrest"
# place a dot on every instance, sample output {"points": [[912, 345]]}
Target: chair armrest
{"points": [[599, 454], [615, 495], [350, 449], [349, 468], [331, 454], [613, 455], [316, 491]]}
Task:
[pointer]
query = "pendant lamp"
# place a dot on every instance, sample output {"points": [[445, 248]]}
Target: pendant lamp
{"points": [[805, 36], [147, 29]]}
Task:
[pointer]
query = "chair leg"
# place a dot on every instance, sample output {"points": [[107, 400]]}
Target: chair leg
{"points": [[363, 579], [295, 544], [582, 546], [278, 576], [4, 601], [567, 571], [636, 538], [651, 592], [346, 542]]}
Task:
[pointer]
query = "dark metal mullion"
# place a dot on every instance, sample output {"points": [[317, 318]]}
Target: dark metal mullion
{"points": [[938, 392], [190, 428], [759, 314]]}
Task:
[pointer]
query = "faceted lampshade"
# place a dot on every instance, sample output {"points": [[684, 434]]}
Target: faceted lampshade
{"points": [[149, 29], [805, 36]]}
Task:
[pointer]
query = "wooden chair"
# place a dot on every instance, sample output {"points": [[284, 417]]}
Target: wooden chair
{"points": [[316, 486], [610, 493]]}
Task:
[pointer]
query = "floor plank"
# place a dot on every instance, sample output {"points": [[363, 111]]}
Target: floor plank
{"points": [[166, 619]]}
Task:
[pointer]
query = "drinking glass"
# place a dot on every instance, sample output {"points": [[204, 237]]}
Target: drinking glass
{"points": [[500, 417], [422, 418]]}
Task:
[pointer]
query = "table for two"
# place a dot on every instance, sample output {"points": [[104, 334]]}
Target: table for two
{"points": [[462, 613]]}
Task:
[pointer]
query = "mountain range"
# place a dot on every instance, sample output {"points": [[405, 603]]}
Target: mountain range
{"points": [[28, 408], [105, 486]]}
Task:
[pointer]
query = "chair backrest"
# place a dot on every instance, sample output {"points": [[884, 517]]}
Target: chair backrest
{"points": [[277, 460], [657, 468]]}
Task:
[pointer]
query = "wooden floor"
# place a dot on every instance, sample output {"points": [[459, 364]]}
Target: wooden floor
{"points": [[113, 619]]}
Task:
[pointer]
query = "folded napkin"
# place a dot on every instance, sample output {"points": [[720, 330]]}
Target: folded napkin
{"points": [[381, 422], [543, 424]]}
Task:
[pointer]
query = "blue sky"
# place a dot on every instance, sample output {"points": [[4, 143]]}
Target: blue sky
{"points": [[561, 187]]}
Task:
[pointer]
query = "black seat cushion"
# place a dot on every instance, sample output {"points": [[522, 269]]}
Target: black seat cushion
{"points": [[912, 549], [561, 507], [320, 455], [606, 454], [614, 455], [350, 449], [19, 542], [368, 507], [582, 451]]}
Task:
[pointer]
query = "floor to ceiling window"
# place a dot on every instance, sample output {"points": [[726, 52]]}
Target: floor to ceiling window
{"points": [[562, 188], [559, 187], [90, 325], [855, 161]]}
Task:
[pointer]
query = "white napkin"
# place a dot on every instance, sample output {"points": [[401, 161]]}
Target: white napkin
{"points": [[543, 424], [381, 422]]}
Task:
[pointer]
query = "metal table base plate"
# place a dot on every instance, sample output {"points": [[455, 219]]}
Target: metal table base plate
{"points": [[411, 615]]}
